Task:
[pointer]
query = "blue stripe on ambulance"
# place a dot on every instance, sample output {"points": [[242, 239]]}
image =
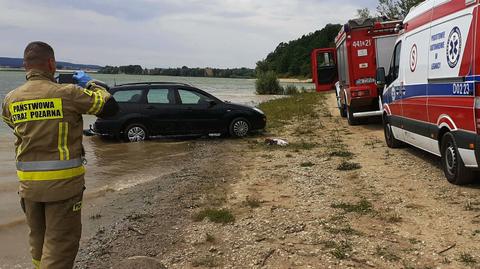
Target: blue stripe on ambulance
{"points": [[438, 89]]}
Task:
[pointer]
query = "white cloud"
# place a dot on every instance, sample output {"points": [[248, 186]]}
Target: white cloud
{"points": [[228, 33]]}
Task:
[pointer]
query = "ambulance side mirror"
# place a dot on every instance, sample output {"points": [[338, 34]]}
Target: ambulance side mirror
{"points": [[380, 78]]}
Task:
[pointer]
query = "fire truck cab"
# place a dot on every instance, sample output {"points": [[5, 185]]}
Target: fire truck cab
{"points": [[431, 97]]}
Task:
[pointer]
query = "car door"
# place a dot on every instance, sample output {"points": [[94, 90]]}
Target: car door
{"points": [[128, 101], [199, 112], [160, 106]]}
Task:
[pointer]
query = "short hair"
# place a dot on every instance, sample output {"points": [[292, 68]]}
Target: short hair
{"points": [[37, 53]]}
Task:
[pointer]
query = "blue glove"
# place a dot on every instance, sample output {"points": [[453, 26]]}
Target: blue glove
{"points": [[81, 78]]}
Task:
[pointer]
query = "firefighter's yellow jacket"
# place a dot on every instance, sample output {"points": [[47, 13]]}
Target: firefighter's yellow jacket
{"points": [[47, 120]]}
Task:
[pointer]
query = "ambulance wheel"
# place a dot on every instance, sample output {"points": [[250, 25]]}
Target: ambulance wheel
{"points": [[452, 163], [350, 118], [390, 139], [135, 132]]}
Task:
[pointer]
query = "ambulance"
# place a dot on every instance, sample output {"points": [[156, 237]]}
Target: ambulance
{"points": [[431, 97]]}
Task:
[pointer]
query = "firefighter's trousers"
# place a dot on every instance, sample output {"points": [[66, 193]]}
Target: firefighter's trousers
{"points": [[55, 231]]}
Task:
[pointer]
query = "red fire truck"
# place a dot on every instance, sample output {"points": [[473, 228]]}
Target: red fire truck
{"points": [[361, 47]]}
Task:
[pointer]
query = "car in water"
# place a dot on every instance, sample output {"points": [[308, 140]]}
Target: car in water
{"points": [[151, 109]]}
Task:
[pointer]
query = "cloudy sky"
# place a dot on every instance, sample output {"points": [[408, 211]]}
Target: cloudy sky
{"points": [[166, 33]]}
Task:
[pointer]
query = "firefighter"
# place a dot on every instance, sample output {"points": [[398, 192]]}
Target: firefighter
{"points": [[46, 118]]}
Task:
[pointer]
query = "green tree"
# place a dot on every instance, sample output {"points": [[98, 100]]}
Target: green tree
{"points": [[388, 8], [292, 59], [406, 5], [363, 13], [396, 9]]}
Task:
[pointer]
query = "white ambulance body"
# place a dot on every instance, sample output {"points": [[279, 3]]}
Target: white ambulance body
{"points": [[431, 98]]}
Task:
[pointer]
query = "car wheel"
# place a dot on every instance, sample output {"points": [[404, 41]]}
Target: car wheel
{"points": [[135, 132], [390, 139], [350, 118], [453, 166], [239, 127]]}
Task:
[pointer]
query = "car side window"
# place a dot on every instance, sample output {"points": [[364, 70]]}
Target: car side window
{"points": [[190, 97], [128, 96], [161, 96]]}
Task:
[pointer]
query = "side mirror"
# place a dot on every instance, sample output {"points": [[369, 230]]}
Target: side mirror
{"points": [[380, 77]]}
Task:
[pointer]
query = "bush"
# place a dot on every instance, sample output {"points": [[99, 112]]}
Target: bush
{"points": [[291, 89], [267, 83]]}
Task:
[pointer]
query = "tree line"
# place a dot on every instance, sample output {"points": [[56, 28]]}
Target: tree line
{"points": [[292, 59], [183, 71]]}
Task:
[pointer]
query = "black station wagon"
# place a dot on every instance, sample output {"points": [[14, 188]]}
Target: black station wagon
{"points": [[163, 109]]}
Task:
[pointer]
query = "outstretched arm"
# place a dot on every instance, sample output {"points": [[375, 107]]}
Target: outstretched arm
{"points": [[93, 97]]}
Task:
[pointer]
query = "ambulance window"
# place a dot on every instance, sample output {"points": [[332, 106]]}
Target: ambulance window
{"points": [[398, 48], [396, 61]]}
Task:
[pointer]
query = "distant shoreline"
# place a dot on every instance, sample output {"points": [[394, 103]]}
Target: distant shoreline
{"points": [[295, 80], [282, 80]]}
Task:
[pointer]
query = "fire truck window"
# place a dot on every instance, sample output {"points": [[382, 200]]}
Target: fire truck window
{"points": [[325, 59], [326, 69]]}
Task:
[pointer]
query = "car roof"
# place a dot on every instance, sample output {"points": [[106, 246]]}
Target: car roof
{"points": [[150, 83]]}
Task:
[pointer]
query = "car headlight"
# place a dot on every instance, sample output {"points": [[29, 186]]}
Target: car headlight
{"points": [[258, 110]]}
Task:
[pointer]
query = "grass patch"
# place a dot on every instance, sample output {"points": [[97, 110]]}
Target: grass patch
{"points": [[209, 238], [252, 202], [395, 218], [344, 153], [302, 145], [414, 241], [348, 230], [386, 254], [207, 261], [363, 206], [307, 164], [303, 130], [467, 259], [472, 206], [215, 215], [348, 166], [342, 251], [280, 111]]}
